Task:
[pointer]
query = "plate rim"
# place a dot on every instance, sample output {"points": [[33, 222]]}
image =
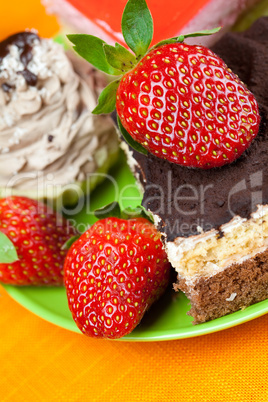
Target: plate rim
{"points": [[219, 324]]}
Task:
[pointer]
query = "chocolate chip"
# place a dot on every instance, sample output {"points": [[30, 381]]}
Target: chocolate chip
{"points": [[24, 41], [7, 87], [26, 55], [50, 138], [29, 77]]}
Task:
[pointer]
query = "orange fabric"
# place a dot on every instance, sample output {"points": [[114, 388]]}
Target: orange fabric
{"points": [[18, 15], [42, 362]]}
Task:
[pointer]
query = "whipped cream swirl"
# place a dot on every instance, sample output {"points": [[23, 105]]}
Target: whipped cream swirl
{"points": [[46, 128]]}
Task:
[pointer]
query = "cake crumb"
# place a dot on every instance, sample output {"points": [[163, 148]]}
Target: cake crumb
{"points": [[232, 297], [199, 229]]}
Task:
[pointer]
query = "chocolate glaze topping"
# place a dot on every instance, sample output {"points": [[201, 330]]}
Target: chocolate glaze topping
{"points": [[24, 42], [189, 199]]}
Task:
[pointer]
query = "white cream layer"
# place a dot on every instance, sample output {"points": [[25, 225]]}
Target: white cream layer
{"points": [[207, 254]]}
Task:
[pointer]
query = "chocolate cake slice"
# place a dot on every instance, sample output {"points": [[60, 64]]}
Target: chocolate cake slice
{"points": [[215, 222]]}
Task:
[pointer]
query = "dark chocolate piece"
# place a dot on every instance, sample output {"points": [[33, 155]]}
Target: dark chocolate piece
{"points": [[29, 77]]}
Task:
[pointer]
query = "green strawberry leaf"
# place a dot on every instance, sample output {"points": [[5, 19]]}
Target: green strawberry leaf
{"points": [[181, 38], [119, 57], [137, 26], [138, 212], [8, 252], [69, 242], [107, 99], [91, 49], [205, 32], [114, 210], [134, 144], [108, 211]]}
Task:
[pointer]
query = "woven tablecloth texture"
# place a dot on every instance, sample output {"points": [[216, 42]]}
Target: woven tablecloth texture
{"points": [[42, 362]]}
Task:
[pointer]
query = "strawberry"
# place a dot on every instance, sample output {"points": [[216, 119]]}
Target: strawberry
{"points": [[180, 102], [113, 274], [183, 104], [34, 235]]}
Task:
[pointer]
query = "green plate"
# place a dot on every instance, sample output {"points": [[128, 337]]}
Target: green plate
{"points": [[166, 320]]}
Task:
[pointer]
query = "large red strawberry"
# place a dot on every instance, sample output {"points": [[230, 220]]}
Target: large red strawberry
{"points": [[31, 240], [183, 104], [113, 273], [180, 102]]}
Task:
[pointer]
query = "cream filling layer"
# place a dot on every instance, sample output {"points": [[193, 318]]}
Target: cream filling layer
{"points": [[207, 254]]}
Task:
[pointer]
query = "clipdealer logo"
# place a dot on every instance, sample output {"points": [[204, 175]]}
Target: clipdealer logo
{"points": [[185, 207], [255, 184]]}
